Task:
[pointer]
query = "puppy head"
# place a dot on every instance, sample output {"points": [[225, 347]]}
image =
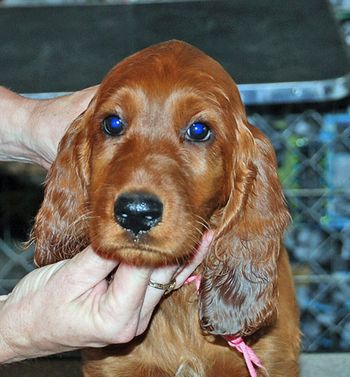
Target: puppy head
{"points": [[140, 173]]}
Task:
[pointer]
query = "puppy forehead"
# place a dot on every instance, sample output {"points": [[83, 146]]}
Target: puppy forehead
{"points": [[139, 97]]}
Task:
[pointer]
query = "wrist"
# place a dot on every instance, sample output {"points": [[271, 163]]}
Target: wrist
{"points": [[7, 355]]}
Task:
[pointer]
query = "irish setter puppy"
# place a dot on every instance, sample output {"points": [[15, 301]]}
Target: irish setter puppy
{"points": [[163, 152]]}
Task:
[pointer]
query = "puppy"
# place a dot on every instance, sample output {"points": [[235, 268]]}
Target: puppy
{"points": [[164, 152]]}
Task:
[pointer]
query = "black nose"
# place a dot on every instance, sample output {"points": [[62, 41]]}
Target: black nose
{"points": [[138, 211]]}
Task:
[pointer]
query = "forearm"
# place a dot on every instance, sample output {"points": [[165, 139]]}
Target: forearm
{"points": [[30, 129], [15, 130], [7, 354]]}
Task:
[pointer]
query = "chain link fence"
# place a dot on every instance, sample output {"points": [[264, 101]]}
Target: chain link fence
{"points": [[313, 152]]}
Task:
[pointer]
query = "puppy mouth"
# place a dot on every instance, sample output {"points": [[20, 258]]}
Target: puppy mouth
{"points": [[140, 255], [142, 248]]}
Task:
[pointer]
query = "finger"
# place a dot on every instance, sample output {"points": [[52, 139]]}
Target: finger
{"points": [[87, 269], [128, 288], [166, 274], [197, 259], [162, 275], [153, 295]]}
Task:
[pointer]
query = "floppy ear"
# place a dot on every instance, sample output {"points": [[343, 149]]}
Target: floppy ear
{"points": [[60, 231], [239, 291]]}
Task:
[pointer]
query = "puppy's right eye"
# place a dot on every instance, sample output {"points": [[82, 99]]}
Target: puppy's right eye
{"points": [[198, 132], [113, 125]]}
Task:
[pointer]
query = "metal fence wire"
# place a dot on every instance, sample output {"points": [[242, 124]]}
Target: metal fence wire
{"points": [[313, 151]]}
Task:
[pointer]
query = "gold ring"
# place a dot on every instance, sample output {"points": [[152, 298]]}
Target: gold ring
{"points": [[167, 288]]}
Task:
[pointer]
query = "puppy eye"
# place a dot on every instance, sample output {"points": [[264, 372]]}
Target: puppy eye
{"points": [[113, 125], [198, 132]]}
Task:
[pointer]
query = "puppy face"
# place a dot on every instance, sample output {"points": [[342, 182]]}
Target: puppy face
{"points": [[158, 135]]}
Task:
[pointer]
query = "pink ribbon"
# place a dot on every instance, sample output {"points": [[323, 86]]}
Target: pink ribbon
{"points": [[250, 357]]}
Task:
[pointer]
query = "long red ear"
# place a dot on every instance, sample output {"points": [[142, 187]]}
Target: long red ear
{"points": [[239, 290], [60, 229]]}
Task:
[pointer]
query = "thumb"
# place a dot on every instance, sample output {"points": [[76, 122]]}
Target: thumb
{"points": [[88, 268]]}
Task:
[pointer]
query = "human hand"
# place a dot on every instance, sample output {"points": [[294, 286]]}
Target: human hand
{"points": [[31, 129], [69, 304]]}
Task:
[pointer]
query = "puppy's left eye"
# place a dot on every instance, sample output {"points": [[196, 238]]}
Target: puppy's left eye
{"points": [[198, 132], [113, 125]]}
